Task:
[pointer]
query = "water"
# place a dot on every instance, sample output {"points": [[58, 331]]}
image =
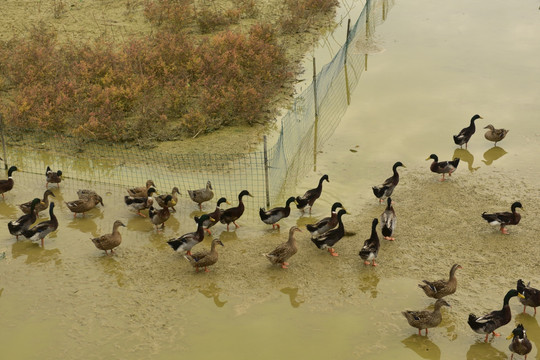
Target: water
{"points": [[439, 63]]}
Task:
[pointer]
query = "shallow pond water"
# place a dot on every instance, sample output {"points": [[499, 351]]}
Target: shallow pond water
{"points": [[442, 63]]}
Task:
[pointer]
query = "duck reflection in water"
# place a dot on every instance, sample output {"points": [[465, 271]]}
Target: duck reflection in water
{"points": [[423, 346], [293, 296], [35, 254], [212, 292], [228, 236], [465, 156], [493, 154], [484, 351], [114, 268], [368, 282]]}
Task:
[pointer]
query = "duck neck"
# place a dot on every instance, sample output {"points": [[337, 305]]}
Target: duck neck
{"points": [[291, 240], [507, 298], [453, 272]]}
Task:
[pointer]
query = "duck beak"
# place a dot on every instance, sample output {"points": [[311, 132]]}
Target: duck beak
{"points": [[511, 336], [428, 159], [212, 219], [521, 295], [228, 202]]}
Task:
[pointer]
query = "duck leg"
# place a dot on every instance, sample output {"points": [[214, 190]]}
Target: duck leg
{"points": [[389, 238], [374, 264], [486, 340], [524, 307], [442, 179], [42, 244], [235, 224], [284, 265], [332, 252], [208, 231], [139, 213], [206, 269], [496, 334], [504, 230], [367, 263]]}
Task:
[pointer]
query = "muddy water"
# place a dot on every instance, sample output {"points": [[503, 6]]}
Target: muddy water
{"points": [[442, 62]]}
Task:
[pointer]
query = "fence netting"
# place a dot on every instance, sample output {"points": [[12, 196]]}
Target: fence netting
{"points": [[290, 154]]}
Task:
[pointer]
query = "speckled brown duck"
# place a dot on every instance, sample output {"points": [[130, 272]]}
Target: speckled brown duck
{"points": [[205, 258], [202, 195], [80, 206], [310, 196], [109, 241], [495, 135], [141, 191], [441, 288], [42, 205], [232, 214], [160, 216], [425, 319], [161, 199], [284, 251], [83, 193]]}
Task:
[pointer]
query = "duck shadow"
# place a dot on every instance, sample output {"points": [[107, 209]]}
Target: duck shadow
{"points": [[493, 154], [293, 296], [423, 346], [484, 351], [34, 253], [212, 291], [465, 156]]}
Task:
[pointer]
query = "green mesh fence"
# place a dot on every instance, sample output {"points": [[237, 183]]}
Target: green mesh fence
{"points": [[290, 156]]}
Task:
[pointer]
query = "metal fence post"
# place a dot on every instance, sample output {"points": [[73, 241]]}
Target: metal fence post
{"points": [[266, 183], [316, 116], [345, 63], [3, 141]]}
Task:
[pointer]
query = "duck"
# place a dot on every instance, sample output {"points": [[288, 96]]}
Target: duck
{"points": [[187, 241], [308, 199], [205, 258], [232, 214], [201, 195], [284, 251], [109, 241], [490, 322], [80, 206], [504, 218], [42, 205], [272, 216], [16, 227], [158, 217], [7, 185], [327, 240], [495, 135], [141, 191], [53, 177], [84, 193], [531, 296], [44, 228], [215, 216], [174, 194], [465, 134], [443, 167], [388, 221], [140, 202], [386, 189], [425, 319], [325, 224], [370, 250], [441, 288], [520, 344]]}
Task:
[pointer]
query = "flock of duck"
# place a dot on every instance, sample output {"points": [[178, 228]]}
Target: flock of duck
{"points": [[325, 234]]}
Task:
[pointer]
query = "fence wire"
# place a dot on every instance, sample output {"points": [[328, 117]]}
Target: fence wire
{"points": [[303, 132]]}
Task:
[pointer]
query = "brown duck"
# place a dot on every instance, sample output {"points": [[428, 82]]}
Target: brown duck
{"points": [[7, 185], [53, 177], [205, 258], [161, 199], [232, 214], [308, 199], [109, 241], [42, 205], [495, 135], [83, 193], [441, 288], [159, 216], [504, 218], [285, 250], [80, 206], [201, 195], [141, 191], [425, 319], [531, 296]]}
